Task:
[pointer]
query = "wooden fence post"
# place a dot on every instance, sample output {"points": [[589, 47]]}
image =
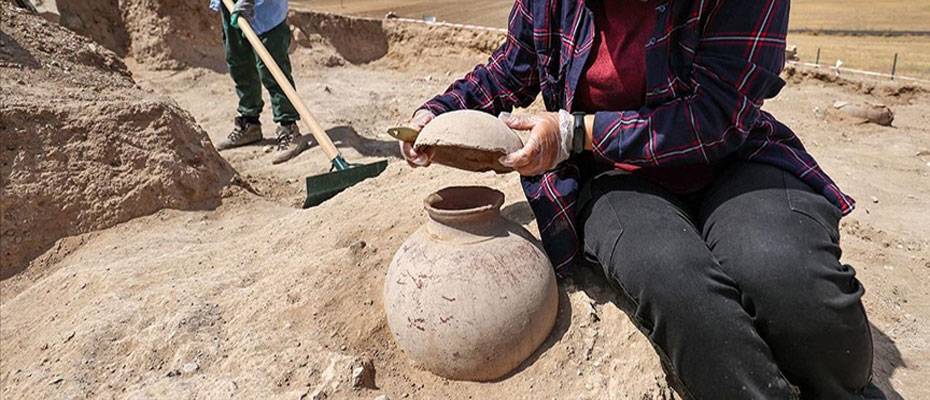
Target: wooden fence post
{"points": [[894, 66]]}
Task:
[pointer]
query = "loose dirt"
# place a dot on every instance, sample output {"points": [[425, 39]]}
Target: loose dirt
{"points": [[257, 298], [164, 34], [83, 147]]}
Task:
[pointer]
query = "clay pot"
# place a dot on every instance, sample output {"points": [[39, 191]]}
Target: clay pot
{"points": [[469, 140], [470, 295]]}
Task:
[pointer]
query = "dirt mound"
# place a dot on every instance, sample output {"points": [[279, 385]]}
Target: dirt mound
{"points": [[83, 147], [395, 44], [162, 34], [357, 40], [891, 92], [267, 301], [175, 34]]}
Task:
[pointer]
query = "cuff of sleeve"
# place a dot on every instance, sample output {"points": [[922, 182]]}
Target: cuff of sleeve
{"points": [[607, 123], [435, 106]]}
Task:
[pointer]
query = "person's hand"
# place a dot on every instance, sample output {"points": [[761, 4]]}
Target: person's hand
{"points": [[548, 145], [424, 157], [244, 9]]}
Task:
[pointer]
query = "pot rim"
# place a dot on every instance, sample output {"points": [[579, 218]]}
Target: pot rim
{"points": [[463, 203]]}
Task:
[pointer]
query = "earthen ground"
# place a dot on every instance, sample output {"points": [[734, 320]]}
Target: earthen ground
{"points": [[258, 298]]}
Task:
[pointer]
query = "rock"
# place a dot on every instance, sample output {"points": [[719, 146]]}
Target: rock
{"points": [[363, 375], [318, 394], [299, 38], [344, 372], [357, 247], [190, 368], [791, 53], [382, 397], [874, 199], [866, 112], [333, 61]]}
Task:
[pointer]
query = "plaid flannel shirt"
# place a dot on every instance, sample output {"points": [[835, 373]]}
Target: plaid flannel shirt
{"points": [[710, 65]]}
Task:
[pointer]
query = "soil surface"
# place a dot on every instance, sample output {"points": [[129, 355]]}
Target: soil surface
{"points": [[258, 298], [84, 148]]}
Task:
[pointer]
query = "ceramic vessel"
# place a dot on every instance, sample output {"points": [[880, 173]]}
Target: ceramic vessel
{"points": [[469, 140], [470, 295]]}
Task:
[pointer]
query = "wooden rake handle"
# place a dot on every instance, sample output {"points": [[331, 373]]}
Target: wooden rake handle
{"points": [[305, 116]]}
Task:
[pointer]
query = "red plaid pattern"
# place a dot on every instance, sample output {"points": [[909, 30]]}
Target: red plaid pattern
{"points": [[710, 64]]}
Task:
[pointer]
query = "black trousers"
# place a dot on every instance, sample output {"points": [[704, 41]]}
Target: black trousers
{"points": [[739, 287]]}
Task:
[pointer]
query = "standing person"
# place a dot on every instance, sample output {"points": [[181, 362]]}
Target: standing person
{"points": [[656, 162], [269, 20]]}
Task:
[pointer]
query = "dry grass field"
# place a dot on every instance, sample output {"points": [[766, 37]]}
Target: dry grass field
{"points": [[876, 15], [869, 52]]}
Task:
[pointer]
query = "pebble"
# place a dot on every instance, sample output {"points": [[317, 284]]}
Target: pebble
{"points": [[875, 199], [268, 149], [382, 397], [363, 375], [190, 368]]}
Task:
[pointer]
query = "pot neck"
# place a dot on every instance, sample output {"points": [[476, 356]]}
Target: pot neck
{"points": [[464, 210]]}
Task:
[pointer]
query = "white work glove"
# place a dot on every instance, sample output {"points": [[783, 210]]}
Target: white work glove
{"points": [[245, 9], [549, 143]]}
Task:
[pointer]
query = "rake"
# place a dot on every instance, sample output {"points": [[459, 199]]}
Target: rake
{"points": [[342, 175]]}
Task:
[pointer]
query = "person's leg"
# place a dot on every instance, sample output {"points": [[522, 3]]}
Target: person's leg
{"points": [[778, 240], [289, 141], [241, 61], [277, 42], [688, 308]]}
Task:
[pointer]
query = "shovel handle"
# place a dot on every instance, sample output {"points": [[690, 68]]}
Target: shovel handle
{"points": [[305, 116]]}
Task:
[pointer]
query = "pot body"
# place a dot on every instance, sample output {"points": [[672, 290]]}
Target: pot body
{"points": [[469, 140], [470, 298]]}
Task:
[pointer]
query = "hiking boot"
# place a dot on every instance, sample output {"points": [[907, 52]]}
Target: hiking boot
{"points": [[290, 143], [245, 132]]}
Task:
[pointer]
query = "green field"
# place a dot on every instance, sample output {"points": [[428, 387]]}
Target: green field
{"points": [[871, 50]]}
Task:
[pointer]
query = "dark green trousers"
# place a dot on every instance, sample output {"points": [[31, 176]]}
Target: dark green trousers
{"points": [[250, 73]]}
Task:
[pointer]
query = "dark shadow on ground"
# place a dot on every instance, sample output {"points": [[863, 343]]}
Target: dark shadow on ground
{"points": [[343, 136], [520, 213], [15, 54], [346, 136], [887, 360]]}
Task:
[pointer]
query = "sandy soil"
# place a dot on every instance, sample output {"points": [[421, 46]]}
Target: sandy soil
{"points": [[261, 299], [84, 148]]}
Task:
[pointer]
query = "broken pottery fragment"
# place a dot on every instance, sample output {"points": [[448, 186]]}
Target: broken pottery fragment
{"points": [[469, 140]]}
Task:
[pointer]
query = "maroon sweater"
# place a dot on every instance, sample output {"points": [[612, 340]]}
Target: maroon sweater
{"points": [[615, 80]]}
